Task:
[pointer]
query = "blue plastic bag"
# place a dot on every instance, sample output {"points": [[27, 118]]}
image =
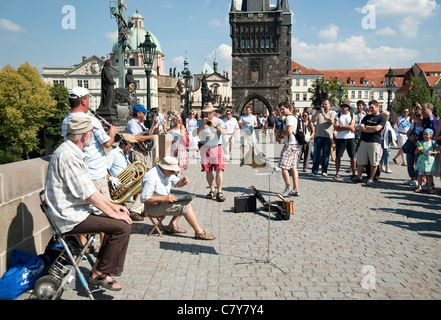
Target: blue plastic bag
{"points": [[22, 275]]}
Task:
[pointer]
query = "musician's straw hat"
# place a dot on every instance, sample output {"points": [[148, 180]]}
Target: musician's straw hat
{"points": [[170, 163], [208, 107]]}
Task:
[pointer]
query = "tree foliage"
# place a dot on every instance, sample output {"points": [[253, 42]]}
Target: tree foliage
{"points": [[330, 88], [418, 93], [25, 105]]}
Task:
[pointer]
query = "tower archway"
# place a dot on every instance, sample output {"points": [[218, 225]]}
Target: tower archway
{"points": [[258, 104]]}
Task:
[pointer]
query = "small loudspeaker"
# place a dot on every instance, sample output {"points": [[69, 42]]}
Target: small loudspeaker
{"points": [[245, 203]]}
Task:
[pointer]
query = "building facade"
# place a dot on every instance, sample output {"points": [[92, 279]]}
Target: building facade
{"points": [[261, 54], [219, 84]]}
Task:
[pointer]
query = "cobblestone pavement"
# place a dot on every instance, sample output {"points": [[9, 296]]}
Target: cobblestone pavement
{"points": [[345, 241]]}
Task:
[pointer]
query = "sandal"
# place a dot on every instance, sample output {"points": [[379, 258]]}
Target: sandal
{"points": [[419, 190], [337, 177], [204, 236], [103, 281], [220, 197], [175, 230], [210, 195]]}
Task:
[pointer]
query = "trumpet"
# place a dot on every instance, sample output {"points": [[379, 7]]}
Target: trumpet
{"points": [[209, 123]]}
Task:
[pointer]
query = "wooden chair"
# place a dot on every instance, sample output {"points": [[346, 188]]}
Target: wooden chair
{"points": [[157, 224]]}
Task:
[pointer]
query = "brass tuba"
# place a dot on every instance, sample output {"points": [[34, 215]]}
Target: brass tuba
{"points": [[131, 183]]}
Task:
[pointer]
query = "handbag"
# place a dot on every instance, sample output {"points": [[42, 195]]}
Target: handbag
{"points": [[187, 139], [409, 146], [22, 275]]}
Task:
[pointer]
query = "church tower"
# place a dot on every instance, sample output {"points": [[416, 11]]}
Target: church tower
{"points": [[261, 42]]}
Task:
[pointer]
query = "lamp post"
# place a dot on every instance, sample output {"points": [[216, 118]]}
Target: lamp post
{"points": [[340, 93], [148, 49], [188, 80], [389, 83]]}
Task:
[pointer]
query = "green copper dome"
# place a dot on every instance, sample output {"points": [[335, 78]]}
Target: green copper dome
{"points": [[138, 37]]}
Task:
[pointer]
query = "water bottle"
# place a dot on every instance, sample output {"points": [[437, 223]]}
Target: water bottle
{"points": [[420, 146]]}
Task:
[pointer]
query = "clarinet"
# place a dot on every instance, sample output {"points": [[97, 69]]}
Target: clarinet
{"points": [[143, 146], [105, 122]]}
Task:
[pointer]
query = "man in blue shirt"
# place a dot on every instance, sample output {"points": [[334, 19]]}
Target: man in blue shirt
{"points": [[117, 161], [247, 124]]}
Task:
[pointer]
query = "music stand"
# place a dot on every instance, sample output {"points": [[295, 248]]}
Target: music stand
{"points": [[261, 156]]}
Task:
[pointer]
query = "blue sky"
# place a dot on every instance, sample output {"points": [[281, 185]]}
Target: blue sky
{"points": [[339, 34]]}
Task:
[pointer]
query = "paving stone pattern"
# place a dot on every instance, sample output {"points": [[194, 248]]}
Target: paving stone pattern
{"points": [[345, 241]]}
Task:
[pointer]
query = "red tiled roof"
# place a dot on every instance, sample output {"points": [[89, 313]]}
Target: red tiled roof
{"points": [[430, 66], [373, 77], [295, 66]]}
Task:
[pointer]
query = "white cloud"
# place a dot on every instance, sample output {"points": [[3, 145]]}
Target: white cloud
{"points": [[330, 33], [216, 23], [386, 32], [10, 26], [409, 27], [415, 8], [179, 61], [111, 36], [352, 53], [223, 55], [406, 15]]}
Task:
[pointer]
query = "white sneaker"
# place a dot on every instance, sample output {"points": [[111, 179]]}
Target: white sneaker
{"points": [[388, 171], [413, 183], [408, 182], [324, 174], [370, 182], [287, 193]]}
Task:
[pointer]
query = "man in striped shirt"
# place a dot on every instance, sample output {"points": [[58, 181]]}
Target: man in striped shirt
{"points": [[79, 208]]}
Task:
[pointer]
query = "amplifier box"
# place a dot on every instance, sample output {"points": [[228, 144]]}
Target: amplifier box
{"points": [[245, 203]]}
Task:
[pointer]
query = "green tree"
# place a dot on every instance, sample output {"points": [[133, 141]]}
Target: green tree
{"points": [[52, 136], [25, 104], [418, 93], [331, 88]]}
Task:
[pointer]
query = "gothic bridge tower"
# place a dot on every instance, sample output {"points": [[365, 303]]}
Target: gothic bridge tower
{"points": [[261, 42]]}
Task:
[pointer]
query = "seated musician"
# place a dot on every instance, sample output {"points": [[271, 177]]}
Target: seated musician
{"points": [[155, 194], [136, 127], [77, 206], [117, 161]]}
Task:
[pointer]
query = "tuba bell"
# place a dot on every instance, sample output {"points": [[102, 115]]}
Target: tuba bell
{"points": [[131, 183]]}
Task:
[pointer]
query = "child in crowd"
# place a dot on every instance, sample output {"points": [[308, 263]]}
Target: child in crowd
{"points": [[425, 166]]}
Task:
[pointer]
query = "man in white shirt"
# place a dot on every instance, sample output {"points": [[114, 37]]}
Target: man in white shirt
{"points": [[231, 128], [158, 200], [289, 156], [344, 124], [95, 155]]}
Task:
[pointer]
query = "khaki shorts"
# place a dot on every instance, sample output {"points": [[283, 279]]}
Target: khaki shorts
{"points": [[369, 153], [168, 209]]}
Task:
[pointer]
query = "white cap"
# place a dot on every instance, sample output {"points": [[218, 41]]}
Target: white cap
{"points": [[78, 92]]}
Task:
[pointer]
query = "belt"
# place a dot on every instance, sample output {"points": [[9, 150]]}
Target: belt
{"points": [[402, 132]]}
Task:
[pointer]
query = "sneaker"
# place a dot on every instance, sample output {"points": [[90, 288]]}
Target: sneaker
{"points": [[324, 174], [287, 193], [370, 182], [413, 183], [408, 182], [295, 194], [388, 171]]}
